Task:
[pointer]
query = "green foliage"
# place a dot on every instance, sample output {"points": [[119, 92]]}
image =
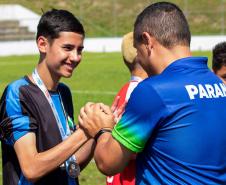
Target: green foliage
{"points": [[97, 78], [116, 17]]}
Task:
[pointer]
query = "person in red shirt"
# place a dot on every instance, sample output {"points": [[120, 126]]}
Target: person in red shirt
{"points": [[127, 176]]}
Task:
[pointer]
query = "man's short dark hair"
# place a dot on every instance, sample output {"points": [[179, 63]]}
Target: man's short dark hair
{"points": [[55, 21], [165, 22], [219, 56]]}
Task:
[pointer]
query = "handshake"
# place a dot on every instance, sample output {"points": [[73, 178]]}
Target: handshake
{"points": [[95, 118]]}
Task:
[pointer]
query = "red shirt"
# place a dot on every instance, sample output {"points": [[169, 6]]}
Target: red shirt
{"points": [[127, 176]]}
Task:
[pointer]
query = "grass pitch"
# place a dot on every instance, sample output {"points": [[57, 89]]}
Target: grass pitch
{"points": [[97, 79]]}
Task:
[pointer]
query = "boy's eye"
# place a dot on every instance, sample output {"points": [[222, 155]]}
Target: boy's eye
{"points": [[79, 50], [67, 48], [71, 48]]}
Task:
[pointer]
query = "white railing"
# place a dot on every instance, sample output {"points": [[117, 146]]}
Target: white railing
{"points": [[198, 43]]}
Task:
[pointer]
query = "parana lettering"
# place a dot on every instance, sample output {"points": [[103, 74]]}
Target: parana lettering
{"points": [[206, 91]]}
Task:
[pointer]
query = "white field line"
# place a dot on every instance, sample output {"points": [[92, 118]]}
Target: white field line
{"points": [[14, 63]]}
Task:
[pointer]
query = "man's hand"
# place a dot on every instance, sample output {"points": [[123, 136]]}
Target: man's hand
{"points": [[94, 116]]}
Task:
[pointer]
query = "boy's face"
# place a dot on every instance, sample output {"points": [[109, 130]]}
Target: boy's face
{"points": [[222, 73], [64, 53]]}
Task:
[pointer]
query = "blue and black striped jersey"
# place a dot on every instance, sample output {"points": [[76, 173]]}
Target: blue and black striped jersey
{"points": [[24, 109]]}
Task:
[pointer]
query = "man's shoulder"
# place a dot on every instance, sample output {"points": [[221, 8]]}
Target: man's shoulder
{"points": [[150, 83], [150, 90], [147, 88]]}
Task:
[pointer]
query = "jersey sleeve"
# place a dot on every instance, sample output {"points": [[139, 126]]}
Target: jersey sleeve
{"points": [[143, 112], [16, 118]]}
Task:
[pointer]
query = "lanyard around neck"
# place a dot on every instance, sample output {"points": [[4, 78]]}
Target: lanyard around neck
{"points": [[43, 88]]}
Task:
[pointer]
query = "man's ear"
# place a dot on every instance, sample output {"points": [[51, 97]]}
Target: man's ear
{"points": [[148, 41], [42, 44]]}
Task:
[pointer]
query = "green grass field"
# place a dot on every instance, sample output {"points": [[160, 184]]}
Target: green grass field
{"points": [[115, 17], [98, 78]]}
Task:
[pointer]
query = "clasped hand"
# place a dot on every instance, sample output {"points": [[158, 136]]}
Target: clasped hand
{"points": [[95, 116]]}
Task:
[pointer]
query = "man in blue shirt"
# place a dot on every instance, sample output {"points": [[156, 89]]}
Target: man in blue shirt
{"points": [[174, 120]]}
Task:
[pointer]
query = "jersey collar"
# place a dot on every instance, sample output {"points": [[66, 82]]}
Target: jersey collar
{"points": [[188, 62]]}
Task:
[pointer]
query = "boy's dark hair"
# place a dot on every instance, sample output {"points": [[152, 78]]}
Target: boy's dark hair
{"points": [[165, 22], [55, 21], [219, 56]]}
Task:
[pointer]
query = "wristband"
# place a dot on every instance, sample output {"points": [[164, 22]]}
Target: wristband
{"points": [[100, 132]]}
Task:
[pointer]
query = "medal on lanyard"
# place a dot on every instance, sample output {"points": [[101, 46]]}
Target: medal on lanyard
{"points": [[72, 167]]}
